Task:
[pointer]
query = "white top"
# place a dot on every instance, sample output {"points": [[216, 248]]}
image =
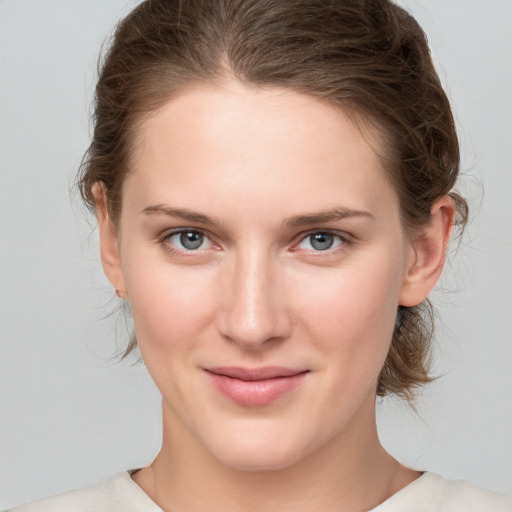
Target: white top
{"points": [[429, 493]]}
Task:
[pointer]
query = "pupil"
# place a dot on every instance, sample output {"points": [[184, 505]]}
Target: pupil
{"points": [[191, 240], [322, 241]]}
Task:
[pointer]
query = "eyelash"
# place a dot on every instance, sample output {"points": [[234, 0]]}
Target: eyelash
{"points": [[344, 240], [164, 240]]}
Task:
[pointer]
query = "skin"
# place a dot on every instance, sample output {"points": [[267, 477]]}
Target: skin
{"points": [[262, 165]]}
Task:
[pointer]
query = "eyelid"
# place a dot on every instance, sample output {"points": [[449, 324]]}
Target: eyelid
{"points": [[166, 235], [344, 237]]}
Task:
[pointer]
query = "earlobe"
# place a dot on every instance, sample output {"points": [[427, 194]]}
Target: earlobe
{"points": [[110, 257], [429, 251]]}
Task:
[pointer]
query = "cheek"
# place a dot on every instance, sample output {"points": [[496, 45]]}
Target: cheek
{"points": [[172, 316], [170, 305], [351, 315]]}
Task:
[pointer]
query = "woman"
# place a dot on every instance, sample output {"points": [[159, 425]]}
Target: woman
{"points": [[273, 183]]}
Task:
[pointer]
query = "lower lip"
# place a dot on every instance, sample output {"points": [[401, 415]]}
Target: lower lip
{"points": [[256, 393]]}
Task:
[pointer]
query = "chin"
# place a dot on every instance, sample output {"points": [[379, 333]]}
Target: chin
{"points": [[259, 452], [262, 460]]}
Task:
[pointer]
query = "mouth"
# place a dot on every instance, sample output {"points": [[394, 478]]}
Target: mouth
{"points": [[255, 387]]}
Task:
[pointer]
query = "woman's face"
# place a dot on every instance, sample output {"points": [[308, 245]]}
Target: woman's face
{"points": [[263, 256]]}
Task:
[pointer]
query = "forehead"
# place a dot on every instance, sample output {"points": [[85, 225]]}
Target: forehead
{"points": [[268, 143]]}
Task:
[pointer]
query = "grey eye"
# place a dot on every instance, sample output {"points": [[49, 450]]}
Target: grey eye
{"points": [[189, 240], [321, 241]]}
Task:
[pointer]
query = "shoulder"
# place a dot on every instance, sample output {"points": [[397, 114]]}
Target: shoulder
{"points": [[463, 496], [101, 497], [433, 493], [117, 494]]}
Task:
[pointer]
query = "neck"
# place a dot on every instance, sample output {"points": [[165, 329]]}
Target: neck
{"points": [[349, 472]]}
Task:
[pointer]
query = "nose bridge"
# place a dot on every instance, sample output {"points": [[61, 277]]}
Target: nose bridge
{"points": [[254, 311]]}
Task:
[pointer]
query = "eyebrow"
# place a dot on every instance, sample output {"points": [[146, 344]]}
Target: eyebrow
{"points": [[181, 213], [330, 215]]}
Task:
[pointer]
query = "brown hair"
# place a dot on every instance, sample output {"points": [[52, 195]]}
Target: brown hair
{"points": [[368, 57]]}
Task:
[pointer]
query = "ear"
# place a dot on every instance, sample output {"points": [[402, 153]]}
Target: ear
{"points": [[429, 247], [110, 257]]}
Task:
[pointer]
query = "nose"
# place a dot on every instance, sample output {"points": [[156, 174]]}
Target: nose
{"points": [[254, 310]]}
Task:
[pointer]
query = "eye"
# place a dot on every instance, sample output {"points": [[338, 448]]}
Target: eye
{"points": [[188, 240], [321, 241]]}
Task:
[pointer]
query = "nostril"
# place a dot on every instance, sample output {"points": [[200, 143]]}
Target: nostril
{"points": [[252, 342]]}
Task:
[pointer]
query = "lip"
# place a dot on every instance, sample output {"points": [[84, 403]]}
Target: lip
{"points": [[255, 387]]}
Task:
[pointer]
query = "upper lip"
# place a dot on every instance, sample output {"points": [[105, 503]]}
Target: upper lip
{"points": [[250, 374]]}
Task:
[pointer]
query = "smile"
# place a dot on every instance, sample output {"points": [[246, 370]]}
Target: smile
{"points": [[255, 387]]}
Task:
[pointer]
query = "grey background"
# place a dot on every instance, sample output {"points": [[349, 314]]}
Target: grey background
{"points": [[70, 416]]}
